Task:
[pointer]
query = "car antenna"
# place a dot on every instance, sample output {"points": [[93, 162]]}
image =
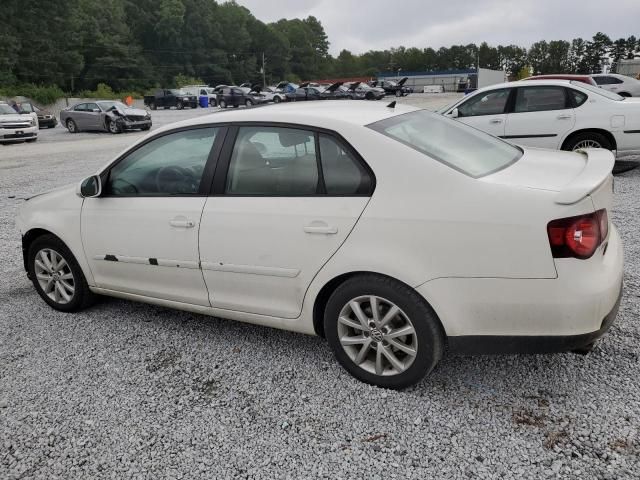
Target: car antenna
{"points": [[392, 105]]}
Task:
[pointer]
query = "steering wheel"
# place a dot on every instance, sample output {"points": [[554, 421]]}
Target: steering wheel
{"points": [[172, 176]]}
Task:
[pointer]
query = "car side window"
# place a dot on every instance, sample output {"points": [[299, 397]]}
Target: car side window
{"points": [[488, 103], [578, 97], [540, 99], [615, 80], [343, 174], [172, 164], [80, 108], [273, 161], [92, 106]]}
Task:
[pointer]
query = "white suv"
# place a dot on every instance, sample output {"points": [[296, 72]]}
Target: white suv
{"points": [[620, 84], [17, 127]]}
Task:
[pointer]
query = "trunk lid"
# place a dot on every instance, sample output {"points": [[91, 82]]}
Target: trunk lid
{"points": [[573, 175]]}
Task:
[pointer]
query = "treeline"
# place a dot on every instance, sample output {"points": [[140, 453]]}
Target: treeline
{"points": [[134, 45]]}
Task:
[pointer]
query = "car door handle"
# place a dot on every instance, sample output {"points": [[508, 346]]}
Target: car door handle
{"points": [[564, 117], [496, 120], [321, 228], [182, 223]]}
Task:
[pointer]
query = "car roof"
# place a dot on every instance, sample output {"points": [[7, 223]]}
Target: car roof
{"points": [[328, 114], [524, 83]]}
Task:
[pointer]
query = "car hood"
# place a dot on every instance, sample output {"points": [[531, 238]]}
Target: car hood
{"points": [[17, 117], [130, 111]]}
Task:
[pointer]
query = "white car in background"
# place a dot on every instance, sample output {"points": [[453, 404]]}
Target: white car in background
{"points": [[554, 114], [620, 84], [202, 91], [392, 232], [17, 127]]}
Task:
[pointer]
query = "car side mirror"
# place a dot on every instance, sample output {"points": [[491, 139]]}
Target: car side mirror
{"points": [[90, 187], [455, 113]]}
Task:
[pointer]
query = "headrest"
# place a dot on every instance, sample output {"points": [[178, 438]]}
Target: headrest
{"points": [[289, 138]]}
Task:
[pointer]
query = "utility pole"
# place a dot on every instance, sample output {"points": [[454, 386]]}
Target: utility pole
{"points": [[264, 72]]}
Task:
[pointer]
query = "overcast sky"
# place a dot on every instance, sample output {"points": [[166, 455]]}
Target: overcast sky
{"points": [[361, 25]]}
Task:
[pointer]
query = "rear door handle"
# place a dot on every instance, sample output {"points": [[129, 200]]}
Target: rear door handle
{"points": [[496, 120], [181, 222], [564, 117], [321, 228]]}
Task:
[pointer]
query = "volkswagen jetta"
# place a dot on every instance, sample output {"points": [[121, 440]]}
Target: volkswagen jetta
{"points": [[390, 231]]}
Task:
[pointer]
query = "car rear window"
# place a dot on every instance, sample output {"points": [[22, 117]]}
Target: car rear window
{"points": [[455, 144]]}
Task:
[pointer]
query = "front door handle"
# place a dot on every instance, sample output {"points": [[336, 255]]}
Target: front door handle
{"points": [[182, 222], [321, 228], [496, 120], [564, 117]]}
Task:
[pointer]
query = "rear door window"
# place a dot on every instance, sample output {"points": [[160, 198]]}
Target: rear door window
{"points": [[540, 99]]}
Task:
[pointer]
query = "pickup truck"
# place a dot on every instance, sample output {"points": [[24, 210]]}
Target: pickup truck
{"points": [[170, 98]]}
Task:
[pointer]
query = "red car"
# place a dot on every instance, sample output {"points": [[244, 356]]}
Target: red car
{"points": [[565, 76]]}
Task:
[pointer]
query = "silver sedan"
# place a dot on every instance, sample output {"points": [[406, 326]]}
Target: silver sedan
{"points": [[105, 115]]}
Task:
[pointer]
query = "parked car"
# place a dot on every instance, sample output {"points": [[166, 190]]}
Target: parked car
{"points": [[106, 115], [556, 114], [173, 97], [274, 94], [17, 127], [565, 76], [392, 87], [236, 96], [525, 258], [362, 90], [45, 118], [620, 84], [303, 94], [202, 91], [332, 92]]}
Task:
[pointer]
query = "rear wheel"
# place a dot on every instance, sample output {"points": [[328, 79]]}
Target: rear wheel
{"points": [[212, 102], [248, 103], [382, 331], [223, 104], [153, 106], [71, 126], [277, 99], [587, 140], [179, 105], [398, 93], [56, 275]]}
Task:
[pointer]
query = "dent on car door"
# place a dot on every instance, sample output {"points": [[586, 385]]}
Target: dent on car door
{"points": [[541, 117], [141, 235], [486, 111], [275, 220]]}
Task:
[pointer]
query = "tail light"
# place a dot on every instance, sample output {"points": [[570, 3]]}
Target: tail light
{"points": [[578, 237]]}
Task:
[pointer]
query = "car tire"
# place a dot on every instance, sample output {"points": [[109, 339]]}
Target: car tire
{"points": [[223, 104], [248, 103], [113, 127], [390, 360], [213, 103], [398, 93], [55, 281], [145, 128], [71, 126], [276, 100], [236, 106], [153, 106], [369, 96], [179, 105], [587, 140]]}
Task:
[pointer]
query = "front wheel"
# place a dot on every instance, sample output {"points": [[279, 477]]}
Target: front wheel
{"points": [[153, 106], [212, 102], [223, 104], [276, 100], [382, 331], [248, 103], [398, 93], [113, 127], [56, 275], [179, 106]]}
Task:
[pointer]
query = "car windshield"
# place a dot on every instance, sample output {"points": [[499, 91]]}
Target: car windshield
{"points": [[106, 106], [459, 146], [599, 91], [6, 109]]}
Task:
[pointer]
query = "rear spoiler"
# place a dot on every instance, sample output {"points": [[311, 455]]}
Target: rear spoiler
{"points": [[598, 167]]}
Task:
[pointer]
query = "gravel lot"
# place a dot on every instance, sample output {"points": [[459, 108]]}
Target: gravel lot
{"points": [[128, 390]]}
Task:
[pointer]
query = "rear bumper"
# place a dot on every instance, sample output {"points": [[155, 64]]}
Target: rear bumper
{"points": [[496, 344], [503, 315]]}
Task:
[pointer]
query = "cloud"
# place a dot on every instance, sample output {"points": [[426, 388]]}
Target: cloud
{"points": [[364, 25]]}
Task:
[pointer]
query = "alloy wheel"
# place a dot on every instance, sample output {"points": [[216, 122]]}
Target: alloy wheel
{"points": [[587, 144], [377, 335], [54, 276]]}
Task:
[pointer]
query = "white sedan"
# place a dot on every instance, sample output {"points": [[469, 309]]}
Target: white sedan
{"points": [[555, 114], [391, 232], [620, 84]]}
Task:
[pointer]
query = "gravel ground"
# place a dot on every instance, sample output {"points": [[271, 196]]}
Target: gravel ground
{"points": [[127, 390]]}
